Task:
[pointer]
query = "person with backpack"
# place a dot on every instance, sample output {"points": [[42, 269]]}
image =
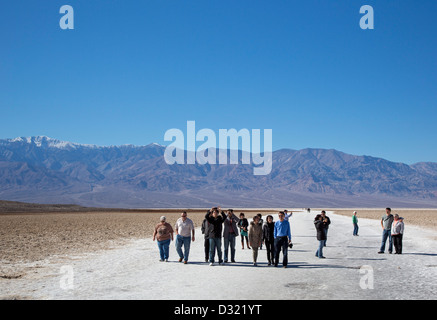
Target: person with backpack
{"points": [[320, 224]]}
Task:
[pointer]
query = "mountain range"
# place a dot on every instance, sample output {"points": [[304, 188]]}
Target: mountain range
{"points": [[45, 170]]}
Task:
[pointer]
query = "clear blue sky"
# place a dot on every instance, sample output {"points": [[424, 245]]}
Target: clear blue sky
{"points": [[133, 69]]}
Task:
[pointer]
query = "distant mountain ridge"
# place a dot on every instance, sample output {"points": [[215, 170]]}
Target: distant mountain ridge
{"points": [[44, 170]]}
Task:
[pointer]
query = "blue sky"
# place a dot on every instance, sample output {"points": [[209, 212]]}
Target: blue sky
{"points": [[130, 70]]}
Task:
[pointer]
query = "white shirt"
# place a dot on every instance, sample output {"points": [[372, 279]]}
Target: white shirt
{"points": [[184, 228]]}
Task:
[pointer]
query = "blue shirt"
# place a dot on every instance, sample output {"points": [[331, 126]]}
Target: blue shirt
{"points": [[282, 229]]}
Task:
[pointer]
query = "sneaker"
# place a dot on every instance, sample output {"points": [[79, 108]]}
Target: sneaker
{"points": [[380, 252], [211, 264], [254, 264], [233, 261], [160, 260], [180, 259], [166, 260], [185, 262]]}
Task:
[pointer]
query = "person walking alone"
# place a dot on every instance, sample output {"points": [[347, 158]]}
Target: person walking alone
{"points": [[355, 223], [184, 228]]}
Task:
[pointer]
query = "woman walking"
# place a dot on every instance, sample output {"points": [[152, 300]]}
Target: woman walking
{"points": [[255, 237], [163, 234], [397, 231], [320, 225], [243, 224], [269, 239]]}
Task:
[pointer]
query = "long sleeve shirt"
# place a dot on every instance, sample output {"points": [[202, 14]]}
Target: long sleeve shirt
{"points": [[282, 229]]}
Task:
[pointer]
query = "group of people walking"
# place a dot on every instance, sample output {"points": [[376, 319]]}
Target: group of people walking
{"points": [[219, 225]]}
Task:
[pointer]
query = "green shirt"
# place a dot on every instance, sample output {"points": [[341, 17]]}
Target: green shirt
{"points": [[354, 219]]}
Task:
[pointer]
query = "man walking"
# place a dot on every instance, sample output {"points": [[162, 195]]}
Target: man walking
{"points": [[230, 232], [386, 223], [184, 234], [282, 235]]}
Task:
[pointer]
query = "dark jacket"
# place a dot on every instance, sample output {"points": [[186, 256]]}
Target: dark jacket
{"points": [[320, 227], [329, 221], [268, 231], [205, 228], [228, 224], [215, 225]]}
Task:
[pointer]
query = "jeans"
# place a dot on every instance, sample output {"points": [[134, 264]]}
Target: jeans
{"points": [[213, 244], [164, 248], [230, 241], [186, 242], [281, 244], [386, 234], [319, 252], [356, 229], [326, 237]]}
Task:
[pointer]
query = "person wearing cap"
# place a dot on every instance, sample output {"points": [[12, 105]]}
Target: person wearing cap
{"points": [[355, 223], [184, 228], [163, 234]]}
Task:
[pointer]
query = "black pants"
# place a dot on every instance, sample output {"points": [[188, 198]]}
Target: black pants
{"points": [[281, 244], [270, 247], [206, 249], [397, 243]]}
